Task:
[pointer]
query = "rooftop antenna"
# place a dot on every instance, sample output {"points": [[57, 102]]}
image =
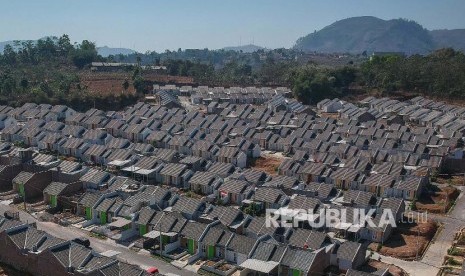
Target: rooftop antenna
{"points": [[240, 40]]}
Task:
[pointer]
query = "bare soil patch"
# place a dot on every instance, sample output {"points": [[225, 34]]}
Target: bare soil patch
{"points": [[407, 240], [268, 164], [438, 202]]}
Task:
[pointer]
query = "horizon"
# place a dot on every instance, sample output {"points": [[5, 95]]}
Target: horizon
{"points": [[191, 25]]}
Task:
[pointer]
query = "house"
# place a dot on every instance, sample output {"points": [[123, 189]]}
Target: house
{"points": [[234, 191], [265, 258], [22, 245], [409, 187], [285, 183], [190, 207], [269, 198], [221, 169], [322, 191], [96, 136], [205, 183], [51, 142], [144, 216], [31, 185], [214, 242], [256, 227], [396, 205], [146, 169], [232, 155], [228, 216], [55, 190], [175, 174], [350, 255], [94, 179], [96, 154], [136, 132], [86, 203], [68, 171], [191, 235], [6, 121], [345, 178], [304, 262], [239, 248], [359, 199], [379, 184], [307, 239], [73, 147], [62, 112]]}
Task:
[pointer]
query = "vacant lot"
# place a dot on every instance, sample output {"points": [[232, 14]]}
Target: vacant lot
{"points": [[408, 240], [112, 83], [438, 201], [107, 83], [268, 164]]}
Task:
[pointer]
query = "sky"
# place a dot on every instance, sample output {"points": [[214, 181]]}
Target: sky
{"points": [[157, 25]]}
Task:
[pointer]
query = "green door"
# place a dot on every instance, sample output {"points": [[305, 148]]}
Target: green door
{"points": [[142, 230], [190, 246], [211, 252], [88, 213], [21, 189], [103, 217], [53, 200], [295, 272]]}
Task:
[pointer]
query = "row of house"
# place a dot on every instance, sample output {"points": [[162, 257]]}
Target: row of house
{"points": [[36, 252]]}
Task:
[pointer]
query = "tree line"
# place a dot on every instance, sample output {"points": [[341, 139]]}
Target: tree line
{"points": [[47, 71]]}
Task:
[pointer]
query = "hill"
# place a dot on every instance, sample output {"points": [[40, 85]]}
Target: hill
{"points": [[368, 33], [250, 48], [449, 38], [106, 51]]}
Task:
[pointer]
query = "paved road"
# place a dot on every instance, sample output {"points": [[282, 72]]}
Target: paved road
{"points": [[100, 245]]}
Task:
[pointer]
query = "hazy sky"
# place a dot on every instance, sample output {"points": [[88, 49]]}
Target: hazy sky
{"points": [[172, 24]]}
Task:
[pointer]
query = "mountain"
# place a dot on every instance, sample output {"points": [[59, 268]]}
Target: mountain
{"points": [[105, 51], [250, 48], [449, 38], [368, 33]]}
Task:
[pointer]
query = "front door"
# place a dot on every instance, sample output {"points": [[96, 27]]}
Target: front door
{"points": [[103, 217], [190, 246]]}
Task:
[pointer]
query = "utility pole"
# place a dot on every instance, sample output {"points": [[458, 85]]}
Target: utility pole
{"points": [[161, 241], [24, 196]]}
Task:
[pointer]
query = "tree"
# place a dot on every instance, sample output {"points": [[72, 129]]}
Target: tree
{"points": [[125, 85], [84, 54], [9, 54]]}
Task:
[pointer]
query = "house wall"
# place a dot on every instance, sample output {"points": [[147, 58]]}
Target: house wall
{"points": [[38, 182], [49, 265], [7, 175], [10, 254]]}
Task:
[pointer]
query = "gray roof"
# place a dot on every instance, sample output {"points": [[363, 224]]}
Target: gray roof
{"points": [[241, 244], [89, 199], [193, 230], [55, 188], [307, 238], [348, 250]]}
